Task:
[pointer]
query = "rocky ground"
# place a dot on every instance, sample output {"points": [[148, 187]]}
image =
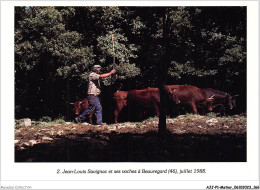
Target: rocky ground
{"points": [[189, 138]]}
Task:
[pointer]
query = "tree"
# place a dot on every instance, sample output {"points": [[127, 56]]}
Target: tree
{"points": [[98, 24], [163, 67], [206, 43], [55, 48], [45, 52]]}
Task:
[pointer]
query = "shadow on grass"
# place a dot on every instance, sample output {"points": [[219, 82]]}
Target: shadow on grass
{"points": [[129, 147]]}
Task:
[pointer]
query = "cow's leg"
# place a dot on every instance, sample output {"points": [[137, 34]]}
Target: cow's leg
{"points": [[87, 112], [90, 118], [118, 109], [221, 109], [193, 107], [205, 107], [157, 111], [115, 115], [141, 115]]}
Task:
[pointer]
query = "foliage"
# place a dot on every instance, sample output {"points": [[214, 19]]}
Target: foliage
{"points": [[45, 119], [45, 34], [123, 53]]}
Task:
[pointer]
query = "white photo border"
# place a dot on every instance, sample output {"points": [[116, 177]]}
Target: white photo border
{"points": [[44, 175]]}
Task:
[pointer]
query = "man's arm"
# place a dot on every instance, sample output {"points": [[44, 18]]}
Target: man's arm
{"points": [[107, 74]]}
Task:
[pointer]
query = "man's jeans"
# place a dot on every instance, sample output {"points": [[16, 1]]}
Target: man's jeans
{"points": [[94, 105]]}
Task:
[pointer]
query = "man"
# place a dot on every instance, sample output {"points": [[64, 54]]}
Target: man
{"points": [[94, 90]]}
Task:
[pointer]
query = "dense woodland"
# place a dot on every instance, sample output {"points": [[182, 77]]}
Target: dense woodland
{"points": [[55, 48]]}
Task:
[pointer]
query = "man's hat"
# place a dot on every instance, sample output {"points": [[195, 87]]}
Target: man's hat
{"points": [[96, 67]]}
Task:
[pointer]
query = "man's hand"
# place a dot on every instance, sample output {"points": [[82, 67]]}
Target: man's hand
{"points": [[107, 74], [113, 71]]}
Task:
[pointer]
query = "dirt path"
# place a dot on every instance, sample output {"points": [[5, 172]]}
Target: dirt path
{"points": [[189, 138]]}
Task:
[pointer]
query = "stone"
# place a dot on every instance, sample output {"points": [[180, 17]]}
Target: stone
{"points": [[26, 122], [51, 132], [32, 142], [85, 123], [47, 138], [212, 121], [112, 128], [60, 132], [56, 125], [170, 121], [130, 125], [25, 144]]}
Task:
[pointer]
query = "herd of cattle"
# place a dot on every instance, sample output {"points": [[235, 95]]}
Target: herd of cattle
{"points": [[145, 103]]}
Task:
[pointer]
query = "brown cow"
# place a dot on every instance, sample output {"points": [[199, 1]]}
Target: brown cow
{"points": [[120, 101], [81, 106], [145, 102], [221, 100], [188, 95], [206, 105]]}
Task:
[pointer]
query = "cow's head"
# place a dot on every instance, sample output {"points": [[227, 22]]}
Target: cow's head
{"points": [[173, 96], [77, 107], [234, 101], [229, 100], [80, 106], [209, 103]]}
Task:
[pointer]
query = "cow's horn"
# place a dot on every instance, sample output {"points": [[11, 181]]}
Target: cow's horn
{"points": [[72, 103], [211, 98]]}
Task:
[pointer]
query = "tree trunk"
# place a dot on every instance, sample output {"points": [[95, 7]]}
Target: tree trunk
{"points": [[163, 67]]}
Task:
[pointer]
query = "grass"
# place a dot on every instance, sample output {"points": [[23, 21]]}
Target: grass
{"points": [[190, 116], [152, 119], [45, 119], [59, 121], [43, 124], [243, 119], [212, 114]]}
